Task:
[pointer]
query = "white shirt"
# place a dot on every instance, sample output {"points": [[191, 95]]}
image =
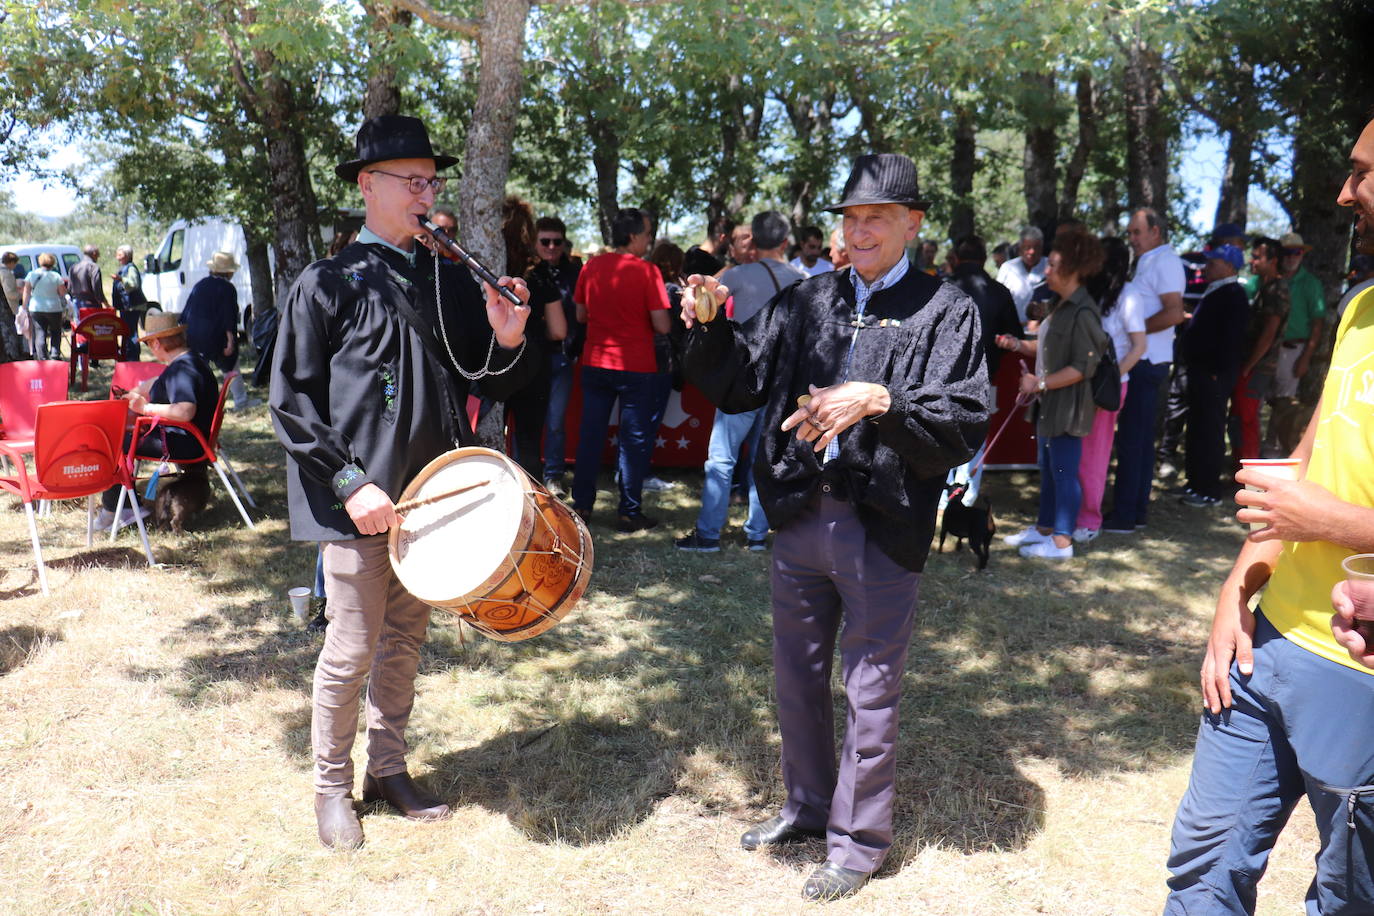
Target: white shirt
{"points": [[1158, 272], [1022, 282], [1126, 317], [822, 266]]}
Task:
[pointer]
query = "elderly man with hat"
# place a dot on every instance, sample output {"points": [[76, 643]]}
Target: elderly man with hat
{"points": [[211, 316], [1212, 351], [1301, 336], [184, 391], [370, 378], [873, 384]]}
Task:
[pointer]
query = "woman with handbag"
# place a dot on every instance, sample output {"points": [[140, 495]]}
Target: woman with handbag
{"points": [[45, 299], [1067, 350]]}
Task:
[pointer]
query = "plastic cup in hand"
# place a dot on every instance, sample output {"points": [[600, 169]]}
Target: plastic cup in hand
{"points": [[1359, 584], [300, 602], [1286, 468]]}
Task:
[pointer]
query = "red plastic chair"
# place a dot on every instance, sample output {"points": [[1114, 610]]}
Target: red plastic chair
{"points": [[128, 376], [98, 335], [25, 385], [77, 451], [210, 450]]}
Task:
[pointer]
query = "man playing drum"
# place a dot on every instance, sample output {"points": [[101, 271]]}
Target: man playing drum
{"points": [[369, 383], [873, 385]]}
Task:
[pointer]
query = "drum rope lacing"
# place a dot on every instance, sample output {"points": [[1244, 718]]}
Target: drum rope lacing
{"points": [[486, 370]]}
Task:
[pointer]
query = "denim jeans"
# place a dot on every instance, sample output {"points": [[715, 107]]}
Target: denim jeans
{"points": [[600, 390], [555, 432], [1135, 445], [47, 334], [728, 433], [1296, 726], [1060, 491]]}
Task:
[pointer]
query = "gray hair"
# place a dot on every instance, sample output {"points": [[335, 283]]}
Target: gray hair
{"points": [[125, 249], [1155, 221], [770, 230], [1031, 233]]}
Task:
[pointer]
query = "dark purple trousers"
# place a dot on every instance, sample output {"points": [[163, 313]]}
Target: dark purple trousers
{"points": [[829, 581]]}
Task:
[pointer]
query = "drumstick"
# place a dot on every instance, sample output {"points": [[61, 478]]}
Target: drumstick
{"points": [[407, 505]]}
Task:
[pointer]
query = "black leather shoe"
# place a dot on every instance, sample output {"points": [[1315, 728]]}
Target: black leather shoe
{"points": [[337, 822], [400, 792], [774, 832], [628, 523], [831, 882]]}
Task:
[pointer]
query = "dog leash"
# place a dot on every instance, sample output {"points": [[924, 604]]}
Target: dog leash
{"points": [[1022, 400]]}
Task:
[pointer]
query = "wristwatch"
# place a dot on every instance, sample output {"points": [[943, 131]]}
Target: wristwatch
{"points": [[1041, 385]]}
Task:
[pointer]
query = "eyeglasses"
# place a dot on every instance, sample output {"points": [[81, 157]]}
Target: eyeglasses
{"points": [[551, 243], [416, 183]]}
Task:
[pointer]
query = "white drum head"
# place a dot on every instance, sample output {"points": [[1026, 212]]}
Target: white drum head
{"points": [[447, 549]]}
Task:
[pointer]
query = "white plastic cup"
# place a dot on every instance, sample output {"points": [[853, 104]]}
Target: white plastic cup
{"points": [[1285, 468], [1359, 583], [300, 602]]}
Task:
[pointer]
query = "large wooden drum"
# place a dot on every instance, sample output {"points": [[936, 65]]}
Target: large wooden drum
{"points": [[485, 541]]}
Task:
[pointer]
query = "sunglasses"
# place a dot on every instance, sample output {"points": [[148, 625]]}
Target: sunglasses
{"points": [[551, 243]]}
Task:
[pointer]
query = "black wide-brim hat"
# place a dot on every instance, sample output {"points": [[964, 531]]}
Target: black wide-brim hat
{"points": [[881, 178], [391, 137]]}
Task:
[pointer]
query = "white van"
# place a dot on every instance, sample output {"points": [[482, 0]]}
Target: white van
{"points": [[67, 255], [182, 261]]}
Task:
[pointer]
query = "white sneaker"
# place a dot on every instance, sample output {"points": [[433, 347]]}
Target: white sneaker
{"points": [[657, 484], [1031, 535], [126, 517], [1047, 549], [1085, 535]]}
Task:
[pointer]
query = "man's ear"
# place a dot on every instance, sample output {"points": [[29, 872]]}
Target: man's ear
{"points": [[915, 218]]}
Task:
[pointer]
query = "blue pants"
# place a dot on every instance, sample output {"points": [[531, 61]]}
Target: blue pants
{"points": [[1060, 492], [1135, 445], [1299, 725], [600, 390], [728, 434], [555, 432]]}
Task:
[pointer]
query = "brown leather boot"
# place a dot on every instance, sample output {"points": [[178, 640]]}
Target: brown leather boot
{"points": [[400, 792], [337, 822]]}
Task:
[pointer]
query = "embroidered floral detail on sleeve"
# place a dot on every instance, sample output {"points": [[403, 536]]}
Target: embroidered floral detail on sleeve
{"points": [[347, 476], [388, 386]]}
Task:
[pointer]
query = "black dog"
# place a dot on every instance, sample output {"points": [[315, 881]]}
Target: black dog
{"points": [[181, 497], [973, 523]]}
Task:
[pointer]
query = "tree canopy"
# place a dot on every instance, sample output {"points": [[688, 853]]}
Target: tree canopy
{"points": [[1025, 113]]}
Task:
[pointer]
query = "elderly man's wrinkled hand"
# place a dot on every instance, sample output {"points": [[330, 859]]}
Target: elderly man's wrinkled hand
{"points": [[717, 291]]}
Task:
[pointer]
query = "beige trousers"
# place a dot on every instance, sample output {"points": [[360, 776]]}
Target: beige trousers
{"points": [[375, 627]]}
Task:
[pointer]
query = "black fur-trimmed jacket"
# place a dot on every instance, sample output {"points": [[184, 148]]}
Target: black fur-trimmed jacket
{"points": [[921, 339]]}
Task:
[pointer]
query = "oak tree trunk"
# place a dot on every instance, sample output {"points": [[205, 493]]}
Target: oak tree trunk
{"points": [[962, 164], [491, 133], [1147, 149], [1040, 174], [382, 94], [1083, 149]]}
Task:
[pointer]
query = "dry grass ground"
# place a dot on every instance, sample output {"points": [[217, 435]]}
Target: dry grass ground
{"points": [[154, 731]]}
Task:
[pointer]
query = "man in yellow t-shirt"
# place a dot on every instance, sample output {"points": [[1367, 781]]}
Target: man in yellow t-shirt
{"points": [[1288, 710]]}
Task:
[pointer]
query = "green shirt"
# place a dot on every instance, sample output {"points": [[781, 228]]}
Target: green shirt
{"points": [[1307, 303]]}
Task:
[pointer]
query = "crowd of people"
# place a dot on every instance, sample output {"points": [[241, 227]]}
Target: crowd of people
{"points": [[854, 384]]}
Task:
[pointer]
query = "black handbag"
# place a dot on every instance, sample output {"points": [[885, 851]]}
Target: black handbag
{"points": [[1107, 380]]}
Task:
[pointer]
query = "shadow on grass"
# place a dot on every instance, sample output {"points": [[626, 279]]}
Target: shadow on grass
{"points": [[20, 643], [661, 682]]}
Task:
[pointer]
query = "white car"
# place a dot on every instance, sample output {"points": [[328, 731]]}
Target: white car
{"points": [[66, 255]]}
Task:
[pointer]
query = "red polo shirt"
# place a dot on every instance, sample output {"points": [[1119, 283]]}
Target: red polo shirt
{"points": [[619, 291]]}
